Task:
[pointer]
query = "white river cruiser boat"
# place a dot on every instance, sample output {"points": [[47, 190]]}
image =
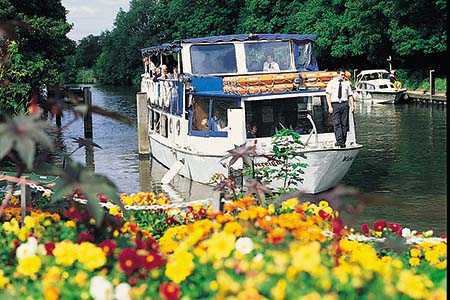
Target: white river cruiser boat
{"points": [[376, 87], [197, 116]]}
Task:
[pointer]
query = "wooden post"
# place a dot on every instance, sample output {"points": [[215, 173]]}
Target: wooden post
{"points": [[87, 95], [58, 120], [142, 123], [145, 175], [432, 85], [25, 199], [217, 204]]}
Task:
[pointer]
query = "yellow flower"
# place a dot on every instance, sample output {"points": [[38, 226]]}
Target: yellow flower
{"points": [[115, 210], [91, 256], [3, 280], [70, 224], [414, 261], [29, 222], [65, 252], [80, 278], [180, 265], [305, 257], [29, 265], [51, 293], [414, 252], [414, 286], [278, 292], [214, 285], [24, 232], [290, 203], [11, 227], [220, 245]]}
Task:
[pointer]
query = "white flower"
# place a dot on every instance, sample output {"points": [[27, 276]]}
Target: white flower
{"points": [[258, 257], [122, 291], [428, 233], [100, 288], [244, 245], [27, 249]]}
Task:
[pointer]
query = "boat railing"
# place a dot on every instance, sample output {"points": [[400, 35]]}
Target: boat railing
{"points": [[313, 131]]}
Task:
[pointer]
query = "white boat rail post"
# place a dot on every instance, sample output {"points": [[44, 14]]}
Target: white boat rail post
{"points": [[352, 128], [313, 131]]}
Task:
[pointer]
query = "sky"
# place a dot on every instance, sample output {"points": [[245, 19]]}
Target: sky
{"points": [[92, 16]]}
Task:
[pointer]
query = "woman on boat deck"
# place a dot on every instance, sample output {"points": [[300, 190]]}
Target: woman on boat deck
{"points": [[340, 99]]}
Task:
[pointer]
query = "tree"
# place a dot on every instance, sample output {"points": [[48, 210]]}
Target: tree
{"points": [[87, 51], [37, 46]]}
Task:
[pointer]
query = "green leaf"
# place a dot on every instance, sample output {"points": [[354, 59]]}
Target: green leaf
{"points": [[6, 144], [26, 148]]}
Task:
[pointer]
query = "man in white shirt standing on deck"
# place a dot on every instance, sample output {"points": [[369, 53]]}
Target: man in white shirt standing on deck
{"points": [[340, 99]]}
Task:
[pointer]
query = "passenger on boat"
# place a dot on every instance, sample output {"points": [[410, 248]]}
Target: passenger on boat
{"points": [[149, 65], [270, 65], [251, 132], [164, 72], [217, 123], [393, 76], [340, 99], [156, 74]]}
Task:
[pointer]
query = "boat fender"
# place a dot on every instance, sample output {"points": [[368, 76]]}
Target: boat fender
{"points": [[170, 125], [397, 85], [178, 127]]}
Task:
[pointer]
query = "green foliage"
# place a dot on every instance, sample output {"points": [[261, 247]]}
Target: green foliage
{"points": [[76, 180], [37, 32], [287, 147], [352, 34], [21, 134], [85, 76]]}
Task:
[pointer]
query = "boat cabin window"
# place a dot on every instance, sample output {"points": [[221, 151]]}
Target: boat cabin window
{"points": [[213, 59], [209, 115], [256, 53], [305, 55], [276, 114]]}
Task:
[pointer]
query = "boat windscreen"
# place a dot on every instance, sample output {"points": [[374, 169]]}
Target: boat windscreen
{"points": [[213, 59], [256, 53]]}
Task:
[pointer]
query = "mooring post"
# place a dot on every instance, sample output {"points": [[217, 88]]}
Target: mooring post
{"points": [[432, 85], [87, 95], [25, 199], [58, 120], [142, 125]]}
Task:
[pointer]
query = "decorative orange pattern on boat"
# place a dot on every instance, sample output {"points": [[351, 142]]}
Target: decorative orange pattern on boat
{"points": [[276, 83]]}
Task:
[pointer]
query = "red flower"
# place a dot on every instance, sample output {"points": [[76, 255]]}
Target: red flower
{"points": [[379, 225], [153, 260], [202, 212], [338, 226], [85, 237], [169, 291], [49, 246], [324, 215], [129, 260], [102, 198], [108, 246], [365, 229], [395, 227]]}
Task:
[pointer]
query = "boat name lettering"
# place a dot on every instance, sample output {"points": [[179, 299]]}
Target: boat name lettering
{"points": [[348, 158], [271, 162]]}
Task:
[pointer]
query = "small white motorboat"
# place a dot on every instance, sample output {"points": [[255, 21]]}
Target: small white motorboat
{"points": [[376, 87]]}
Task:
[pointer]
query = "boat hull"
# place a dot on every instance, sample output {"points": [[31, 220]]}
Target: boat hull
{"points": [[380, 97], [326, 166]]}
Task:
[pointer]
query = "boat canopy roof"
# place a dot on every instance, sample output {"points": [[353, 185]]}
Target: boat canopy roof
{"points": [[175, 46]]}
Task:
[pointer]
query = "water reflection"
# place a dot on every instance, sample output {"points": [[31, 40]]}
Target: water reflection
{"points": [[404, 159]]}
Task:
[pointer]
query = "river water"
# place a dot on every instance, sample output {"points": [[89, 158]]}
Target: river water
{"points": [[404, 159]]}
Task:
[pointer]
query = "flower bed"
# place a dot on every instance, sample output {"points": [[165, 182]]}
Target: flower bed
{"points": [[295, 251]]}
